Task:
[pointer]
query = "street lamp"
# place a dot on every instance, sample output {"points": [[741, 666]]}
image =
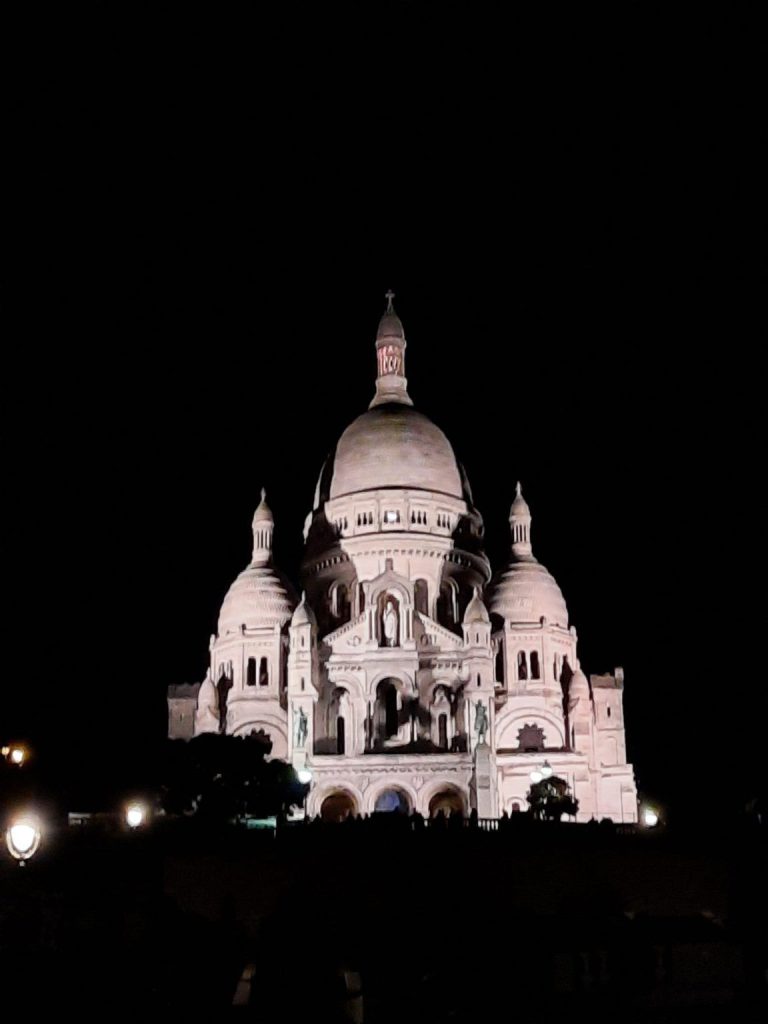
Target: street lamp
{"points": [[23, 838], [135, 815], [538, 774], [650, 817]]}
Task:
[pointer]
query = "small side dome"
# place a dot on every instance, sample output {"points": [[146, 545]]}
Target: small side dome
{"points": [[303, 615], [578, 689], [476, 610]]}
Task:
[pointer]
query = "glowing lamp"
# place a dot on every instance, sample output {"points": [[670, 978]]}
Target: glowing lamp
{"points": [[135, 815], [546, 770], [23, 838], [536, 775], [390, 517], [17, 755], [304, 776], [650, 817]]}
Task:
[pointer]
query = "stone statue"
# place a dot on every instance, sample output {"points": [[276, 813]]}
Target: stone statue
{"points": [[390, 625], [300, 725], [481, 721]]}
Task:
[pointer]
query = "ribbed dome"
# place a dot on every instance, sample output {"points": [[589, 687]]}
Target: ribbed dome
{"points": [[392, 445], [525, 592], [258, 597]]}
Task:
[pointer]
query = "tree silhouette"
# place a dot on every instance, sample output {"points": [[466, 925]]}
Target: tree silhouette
{"points": [[550, 799]]}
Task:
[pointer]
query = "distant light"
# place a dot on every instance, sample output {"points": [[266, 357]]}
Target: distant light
{"points": [[23, 838], [536, 775], [391, 517], [650, 817], [546, 769], [304, 775], [17, 755], [134, 815]]}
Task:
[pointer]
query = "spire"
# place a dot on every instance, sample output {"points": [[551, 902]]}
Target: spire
{"points": [[391, 385], [263, 528], [520, 526]]}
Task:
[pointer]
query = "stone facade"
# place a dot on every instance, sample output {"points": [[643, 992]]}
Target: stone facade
{"points": [[406, 677]]}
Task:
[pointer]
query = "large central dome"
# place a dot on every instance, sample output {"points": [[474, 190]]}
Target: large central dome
{"points": [[392, 445]]}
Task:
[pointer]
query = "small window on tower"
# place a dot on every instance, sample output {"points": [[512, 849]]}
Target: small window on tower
{"points": [[608, 711], [391, 517], [251, 672]]}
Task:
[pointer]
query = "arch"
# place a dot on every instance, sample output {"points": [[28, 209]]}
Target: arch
{"points": [[394, 586], [320, 792], [392, 799], [435, 789], [401, 785], [274, 728], [401, 680], [508, 724], [447, 799], [337, 806], [421, 596]]}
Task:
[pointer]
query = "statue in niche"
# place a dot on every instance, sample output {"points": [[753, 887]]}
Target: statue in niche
{"points": [[481, 721], [389, 623], [300, 727]]}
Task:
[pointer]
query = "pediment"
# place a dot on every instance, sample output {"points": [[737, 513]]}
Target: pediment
{"points": [[349, 637], [431, 636]]}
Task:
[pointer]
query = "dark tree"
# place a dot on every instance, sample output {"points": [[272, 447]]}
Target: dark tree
{"points": [[550, 799]]}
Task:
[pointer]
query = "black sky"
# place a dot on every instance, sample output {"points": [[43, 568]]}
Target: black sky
{"points": [[204, 215]]}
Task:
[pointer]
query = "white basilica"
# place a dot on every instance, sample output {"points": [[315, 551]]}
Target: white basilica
{"points": [[406, 677]]}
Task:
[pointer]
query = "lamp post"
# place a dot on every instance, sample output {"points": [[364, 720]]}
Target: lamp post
{"points": [[23, 838]]}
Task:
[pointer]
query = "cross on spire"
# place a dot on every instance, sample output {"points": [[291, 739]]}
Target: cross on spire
{"points": [[389, 296]]}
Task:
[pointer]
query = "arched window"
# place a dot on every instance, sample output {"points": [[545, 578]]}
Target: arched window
{"points": [[522, 665], [340, 734], [500, 664], [263, 673], [534, 664], [442, 731], [386, 716], [250, 677], [421, 595], [361, 599]]}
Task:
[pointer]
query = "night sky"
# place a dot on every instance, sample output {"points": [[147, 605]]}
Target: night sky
{"points": [[202, 222]]}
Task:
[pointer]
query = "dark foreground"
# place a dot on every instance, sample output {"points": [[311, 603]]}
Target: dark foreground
{"points": [[381, 922]]}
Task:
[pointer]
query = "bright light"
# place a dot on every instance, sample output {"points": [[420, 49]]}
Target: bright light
{"points": [[546, 769], [23, 838], [391, 517], [17, 755], [536, 775], [304, 775], [650, 817], [134, 815]]}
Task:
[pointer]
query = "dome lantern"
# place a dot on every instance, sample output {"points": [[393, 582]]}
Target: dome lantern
{"points": [[263, 528], [391, 385]]}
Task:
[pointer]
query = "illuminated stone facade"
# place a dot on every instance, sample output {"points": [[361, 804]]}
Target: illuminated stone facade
{"points": [[406, 677]]}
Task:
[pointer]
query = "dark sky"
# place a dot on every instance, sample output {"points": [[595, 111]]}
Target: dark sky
{"points": [[203, 219]]}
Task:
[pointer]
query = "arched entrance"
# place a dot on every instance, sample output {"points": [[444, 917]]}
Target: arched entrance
{"points": [[337, 807], [392, 801], [447, 801]]}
